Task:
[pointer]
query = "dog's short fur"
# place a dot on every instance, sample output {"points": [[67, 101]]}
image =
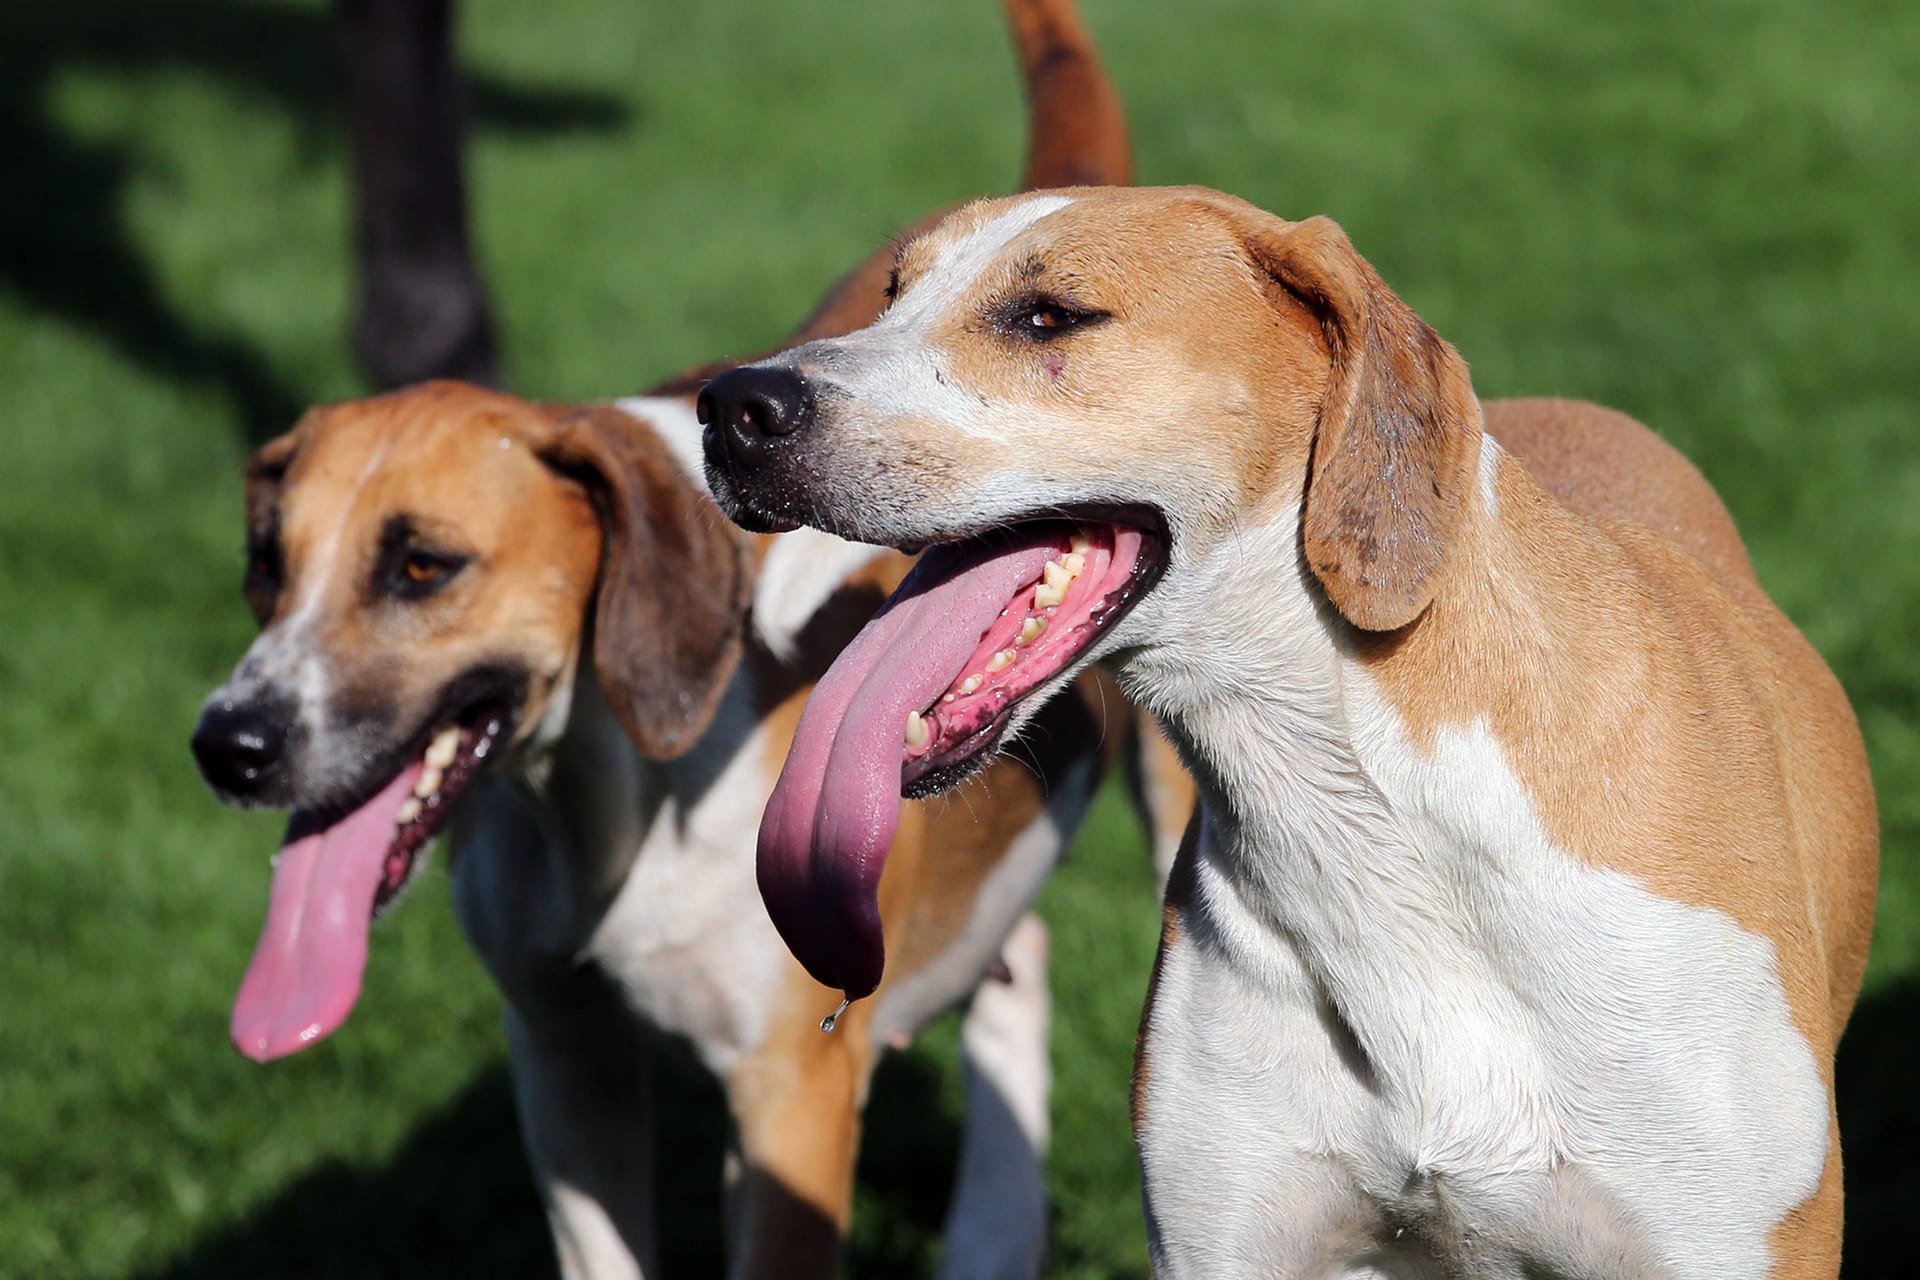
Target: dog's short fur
{"points": [[1537, 859], [647, 663]]}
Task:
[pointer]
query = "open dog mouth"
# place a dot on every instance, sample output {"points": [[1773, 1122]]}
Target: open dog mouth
{"points": [[921, 699], [338, 870], [1089, 581]]}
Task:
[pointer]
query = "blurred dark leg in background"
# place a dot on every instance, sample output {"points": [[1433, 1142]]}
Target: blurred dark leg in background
{"points": [[420, 310]]}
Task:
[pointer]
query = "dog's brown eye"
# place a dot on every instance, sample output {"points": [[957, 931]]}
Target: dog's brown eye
{"points": [[1044, 319], [410, 567], [419, 573], [423, 569]]}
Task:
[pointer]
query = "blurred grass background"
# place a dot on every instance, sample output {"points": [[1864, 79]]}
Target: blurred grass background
{"points": [[1707, 215]]}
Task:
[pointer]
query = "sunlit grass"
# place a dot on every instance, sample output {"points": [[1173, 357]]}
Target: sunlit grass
{"points": [[1702, 214]]}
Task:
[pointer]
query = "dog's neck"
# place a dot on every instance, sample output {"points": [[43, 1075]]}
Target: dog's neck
{"points": [[568, 812], [1323, 832], [1253, 691]]}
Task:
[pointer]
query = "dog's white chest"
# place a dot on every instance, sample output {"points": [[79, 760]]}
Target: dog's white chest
{"points": [[1450, 1045], [685, 938]]}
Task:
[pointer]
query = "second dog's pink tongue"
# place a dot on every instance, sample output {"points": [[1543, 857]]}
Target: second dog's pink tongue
{"points": [[832, 816], [305, 974]]}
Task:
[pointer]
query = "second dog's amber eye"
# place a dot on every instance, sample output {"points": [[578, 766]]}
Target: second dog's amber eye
{"points": [[421, 573], [1050, 318], [424, 569], [409, 568]]}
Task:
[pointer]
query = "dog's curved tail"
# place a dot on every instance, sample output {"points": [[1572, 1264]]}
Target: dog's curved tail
{"points": [[1076, 128]]}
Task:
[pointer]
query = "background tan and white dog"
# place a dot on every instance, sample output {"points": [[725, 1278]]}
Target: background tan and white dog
{"points": [[537, 612], [1537, 859]]}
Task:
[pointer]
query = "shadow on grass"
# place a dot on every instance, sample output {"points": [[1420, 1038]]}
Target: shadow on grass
{"points": [[65, 248], [1880, 1133], [457, 1200]]}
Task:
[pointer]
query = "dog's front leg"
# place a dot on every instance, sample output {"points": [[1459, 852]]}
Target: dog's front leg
{"points": [[587, 1122], [796, 1108], [997, 1224]]}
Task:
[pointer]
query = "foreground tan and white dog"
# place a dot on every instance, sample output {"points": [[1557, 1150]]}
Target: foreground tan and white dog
{"points": [[1537, 858], [537, 612]]}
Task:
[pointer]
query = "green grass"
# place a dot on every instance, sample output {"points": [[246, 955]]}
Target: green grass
{"points": [[1707, 215]]}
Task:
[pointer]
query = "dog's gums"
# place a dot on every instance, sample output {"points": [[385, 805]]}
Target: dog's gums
{"points": [[1046, 625], [919, 701], [447, 767]]}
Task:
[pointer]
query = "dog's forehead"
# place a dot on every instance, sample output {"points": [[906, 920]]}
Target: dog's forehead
{"points": [[1152, 237], [950, 259], [464, 454]]}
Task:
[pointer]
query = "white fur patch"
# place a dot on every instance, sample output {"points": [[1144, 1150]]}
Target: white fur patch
{"points": [[674, 421], [283, 656], [896, 370], [1007, 891], [960, 262], [800, 574], [1397, 1006], [1490, 455]]}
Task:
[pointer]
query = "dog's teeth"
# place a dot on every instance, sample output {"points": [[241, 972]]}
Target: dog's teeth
{"points": [[1030, 629], [972, 683], [1054, 581], [1080, 544], [1073, 564], [1002, 660], [441, 751], [430, 780], [408, 812], [918, 734]]}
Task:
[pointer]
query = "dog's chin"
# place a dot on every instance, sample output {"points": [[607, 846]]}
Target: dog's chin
{"points": [[751, 512], [755, 521]]}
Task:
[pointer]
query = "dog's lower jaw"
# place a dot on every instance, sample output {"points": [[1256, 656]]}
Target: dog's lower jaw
{"points": [[724, 485]]}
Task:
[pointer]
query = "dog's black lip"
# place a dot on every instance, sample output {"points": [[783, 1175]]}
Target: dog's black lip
{"points": [[1142, 516], [954, 766], [723, 482], [972, 755]]}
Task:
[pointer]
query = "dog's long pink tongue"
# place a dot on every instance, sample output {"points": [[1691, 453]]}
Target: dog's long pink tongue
{"points": [[832, 816], [305, 973]]}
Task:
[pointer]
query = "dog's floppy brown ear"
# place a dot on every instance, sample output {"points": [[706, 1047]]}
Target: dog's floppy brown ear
{"points": [[669, 611], [1399, 435]]}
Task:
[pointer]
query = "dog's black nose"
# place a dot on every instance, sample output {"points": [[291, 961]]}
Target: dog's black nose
{"points": [[754, 409], [238, 747]]}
